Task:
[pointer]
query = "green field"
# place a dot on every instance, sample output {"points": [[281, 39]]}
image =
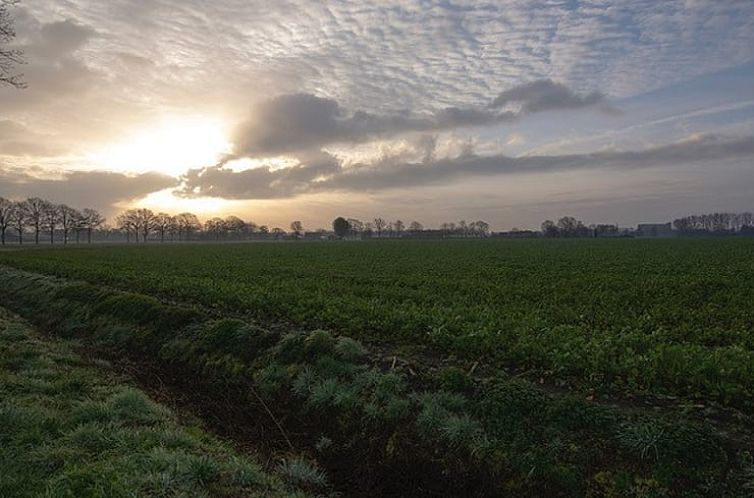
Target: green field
{"points": [[667, 316], [521, 368]]}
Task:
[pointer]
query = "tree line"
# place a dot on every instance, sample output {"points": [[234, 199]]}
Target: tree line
{"points": [[379, 227], [44, 219], [569, 227], [49, 222], [716, 223]]}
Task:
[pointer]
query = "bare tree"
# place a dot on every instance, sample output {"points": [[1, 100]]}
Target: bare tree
{"points": [[236, 226], [297, 228], [128, 223], [69, 219], [188, 223], [379, 225], [399, 227], [357, 226], [51, 218], [215, 226], [479, 228], [163, 223], [90, 220], [19, 216], [146, 222], [415, 226], [35, 210], [9, 57], [6, 217]]}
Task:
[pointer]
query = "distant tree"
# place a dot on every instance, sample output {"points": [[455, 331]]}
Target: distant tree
{"points": [[188, 223], [19, 216], [549, 229], [163, 223], [68, 218], [297, 228], [415, 227], [146, 221], [357, 226], [264, 229], [568, 226], [6, 217], [215, 226], [9, 58], [35, 210], [51, 219], [341, 227], [278, 232], [379, 226], [128, 223], [173, 227], [479, 228], [90, 221], [399, 226], [463, 228], [236, 226]]}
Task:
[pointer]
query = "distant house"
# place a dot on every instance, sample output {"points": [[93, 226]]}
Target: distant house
{"points": [[654, 230], [319, 235]]}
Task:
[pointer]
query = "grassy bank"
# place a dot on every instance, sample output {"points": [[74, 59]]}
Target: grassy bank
{"points": [[70, 429]]}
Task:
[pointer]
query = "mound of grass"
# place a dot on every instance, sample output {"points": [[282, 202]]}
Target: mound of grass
{"points": [[101, 438]]}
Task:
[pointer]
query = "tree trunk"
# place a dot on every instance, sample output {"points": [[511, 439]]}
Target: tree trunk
{"points": [[36, 234], [89, 234], [52, 235]]}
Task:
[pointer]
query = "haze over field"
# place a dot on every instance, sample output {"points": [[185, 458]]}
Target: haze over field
{"points": [[511, 112]]}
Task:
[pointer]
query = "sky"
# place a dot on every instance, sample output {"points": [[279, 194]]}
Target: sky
{"points": [[511, 112]]}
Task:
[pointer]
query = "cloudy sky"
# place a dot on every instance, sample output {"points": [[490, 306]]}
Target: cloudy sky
{"points": [[437, 110]]}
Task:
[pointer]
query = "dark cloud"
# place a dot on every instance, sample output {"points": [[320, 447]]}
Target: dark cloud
{"points": [[302, 121], [97, 189], [53, 71], [545, 95], [394, 172]]}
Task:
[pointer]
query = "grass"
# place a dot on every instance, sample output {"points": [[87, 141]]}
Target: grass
{"points": [[70, 430]]}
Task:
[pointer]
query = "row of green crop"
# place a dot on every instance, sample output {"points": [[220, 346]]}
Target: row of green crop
{"points": [[638, 317], [495, 436]]}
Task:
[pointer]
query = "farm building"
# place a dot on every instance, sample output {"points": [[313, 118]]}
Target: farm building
{"points": [[654, 230]]}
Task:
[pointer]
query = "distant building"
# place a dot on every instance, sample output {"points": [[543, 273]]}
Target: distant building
{"points": [[654, 230]]}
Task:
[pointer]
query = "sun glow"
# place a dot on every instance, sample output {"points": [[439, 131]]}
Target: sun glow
{"points": [[171, 147], [165, 200]]}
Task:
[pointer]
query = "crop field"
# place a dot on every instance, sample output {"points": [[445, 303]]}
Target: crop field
{"points": [[673, 317], [515, 367]]}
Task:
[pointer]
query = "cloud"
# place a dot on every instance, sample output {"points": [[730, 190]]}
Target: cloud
{"points": [[97, 189], [17, 140], [545, 95], [327, 174], [301, 121]]}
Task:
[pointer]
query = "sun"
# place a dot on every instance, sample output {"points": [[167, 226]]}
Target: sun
{"points": [[171, 147]]}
